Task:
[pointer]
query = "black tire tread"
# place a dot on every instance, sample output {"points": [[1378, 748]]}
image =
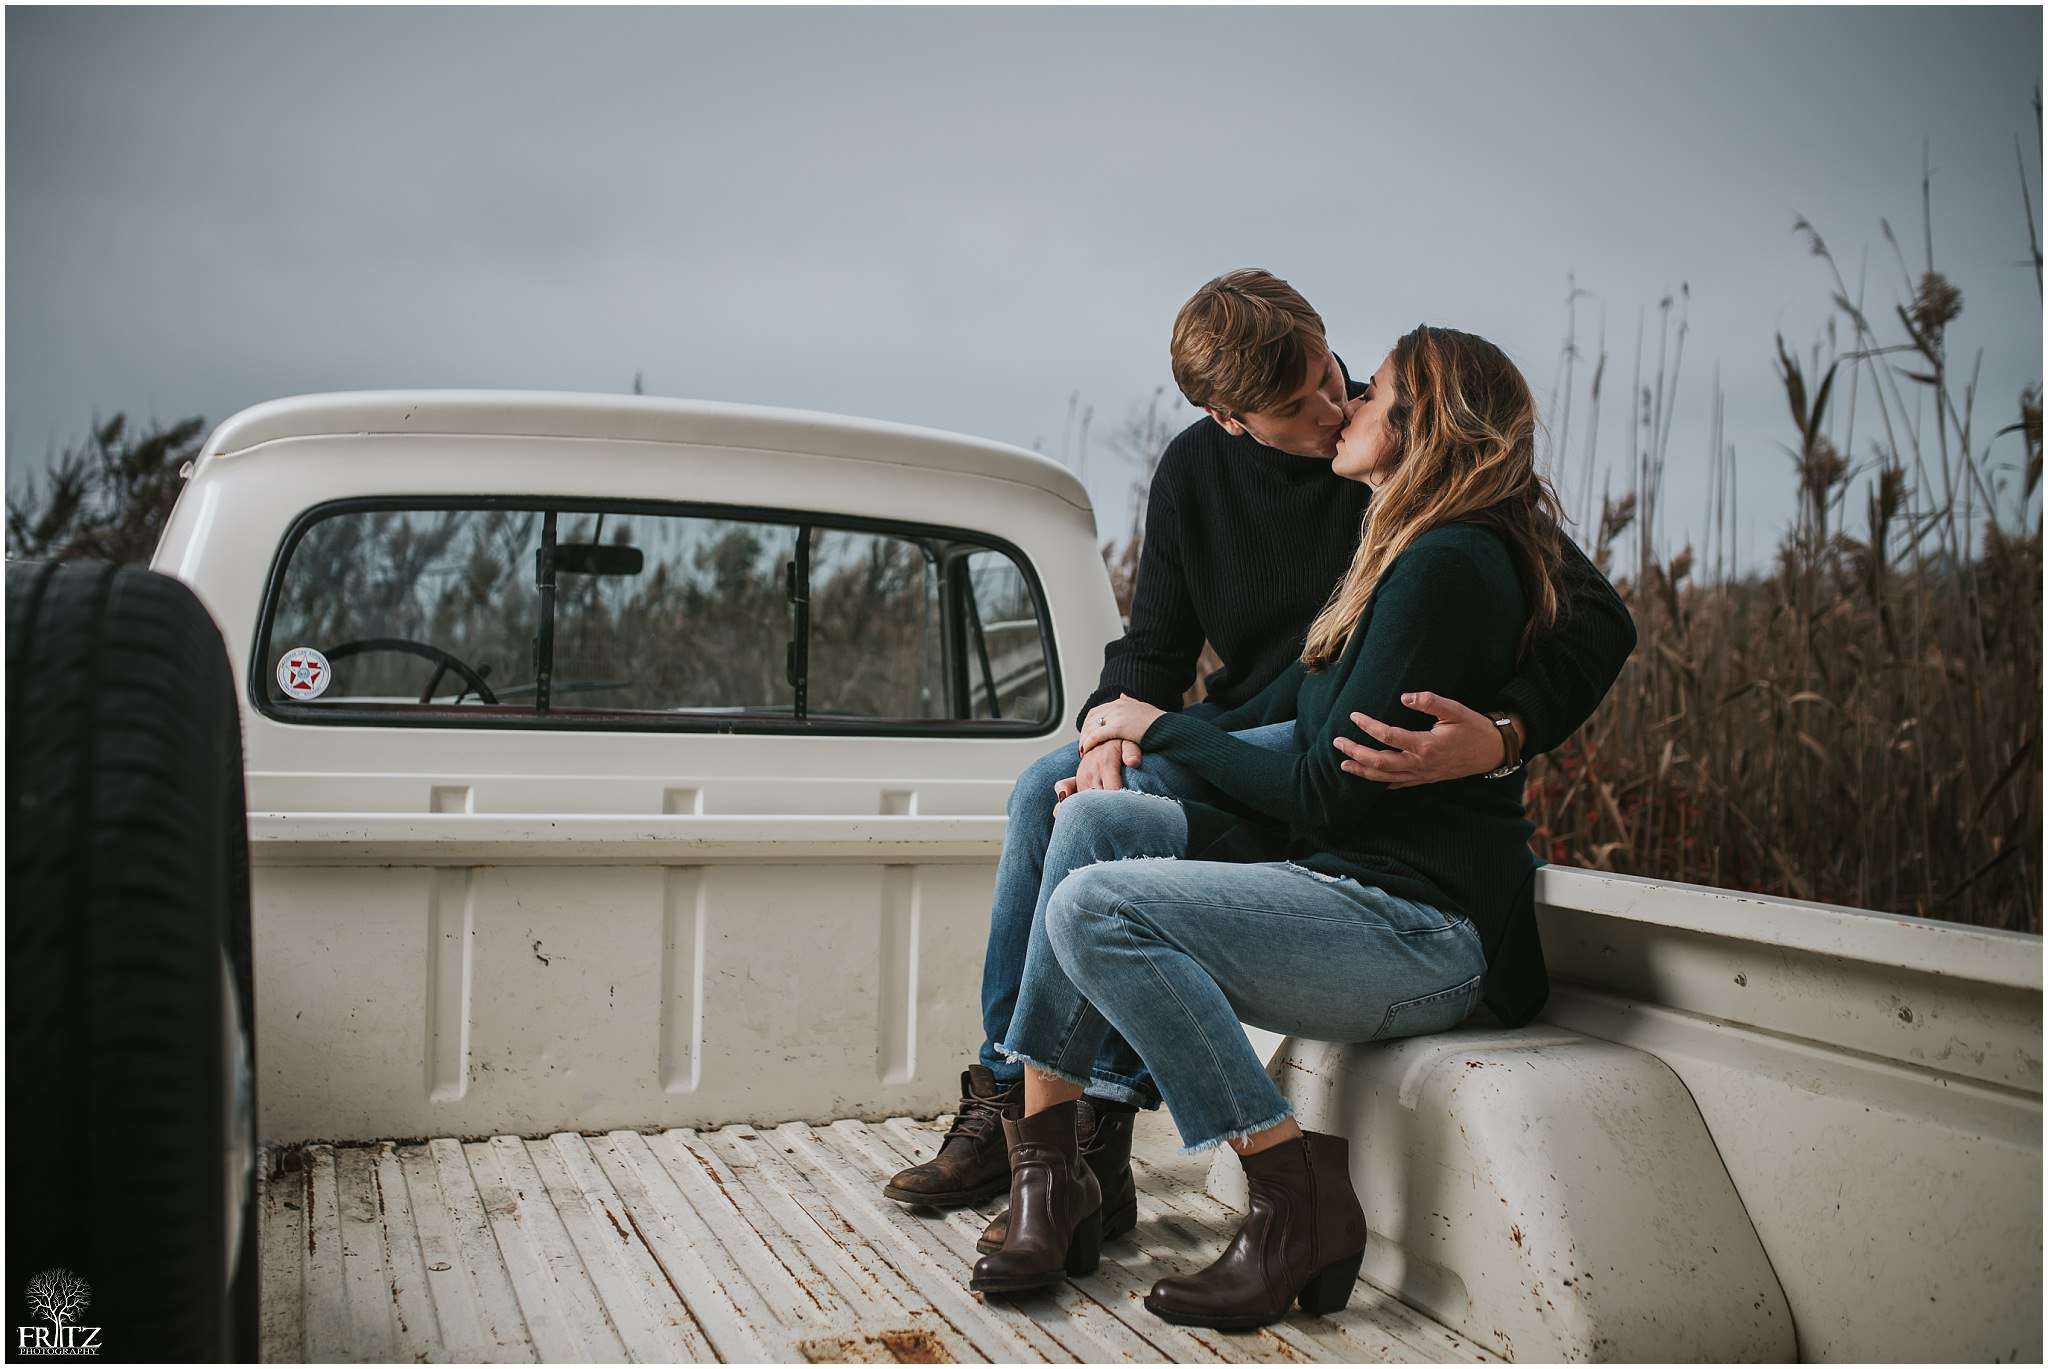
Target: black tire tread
{"points": [[127, 875]]}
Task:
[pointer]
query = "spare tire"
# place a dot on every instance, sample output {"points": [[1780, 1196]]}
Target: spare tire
{"points": [[130, 994]]}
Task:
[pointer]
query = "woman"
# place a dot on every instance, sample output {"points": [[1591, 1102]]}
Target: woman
{"points": [[1313, 903]]}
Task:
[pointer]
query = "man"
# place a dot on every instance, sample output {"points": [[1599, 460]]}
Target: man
{"points": [[1246, 531]]}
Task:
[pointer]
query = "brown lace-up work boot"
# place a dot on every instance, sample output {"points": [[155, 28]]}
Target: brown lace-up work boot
{"points": [[1303, 1237], [1056, 1226], [1106, 1148], [973, 1163]]}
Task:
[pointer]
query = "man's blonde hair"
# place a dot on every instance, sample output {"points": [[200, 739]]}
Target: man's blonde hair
{"points": [[1244, 343]]}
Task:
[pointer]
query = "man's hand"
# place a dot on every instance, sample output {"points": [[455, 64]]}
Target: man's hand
{"points": [[1101, 768], [1460, 743]]}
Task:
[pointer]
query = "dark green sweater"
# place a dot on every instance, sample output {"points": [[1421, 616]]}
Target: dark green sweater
{"points": [[1448, 611]]}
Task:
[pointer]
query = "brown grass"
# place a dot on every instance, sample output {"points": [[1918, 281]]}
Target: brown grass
{"points": [[1861, 724]]}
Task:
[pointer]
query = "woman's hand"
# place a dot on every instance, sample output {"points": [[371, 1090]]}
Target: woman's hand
{"points": [[1125, 719]]}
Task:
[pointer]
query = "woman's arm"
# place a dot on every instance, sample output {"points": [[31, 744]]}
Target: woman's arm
{"points": [[1449, 611], [1112, 729], [1124, 720], [1273, 704]]}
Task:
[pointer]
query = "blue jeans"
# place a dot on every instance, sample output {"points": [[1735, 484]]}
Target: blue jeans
{"points": [[1021, 887], [1174, 954]]}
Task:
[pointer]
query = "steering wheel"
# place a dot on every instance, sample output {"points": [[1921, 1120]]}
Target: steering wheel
{"points": [[443, 662]]}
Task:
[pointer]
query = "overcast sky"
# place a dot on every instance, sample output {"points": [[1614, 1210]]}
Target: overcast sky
{"points": [[966, 217]]}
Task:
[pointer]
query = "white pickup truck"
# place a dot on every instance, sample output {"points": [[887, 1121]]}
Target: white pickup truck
{"points": [[625, 779]]}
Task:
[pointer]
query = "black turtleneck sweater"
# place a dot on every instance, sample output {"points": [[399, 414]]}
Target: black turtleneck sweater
{"points": [[1243, 544]]}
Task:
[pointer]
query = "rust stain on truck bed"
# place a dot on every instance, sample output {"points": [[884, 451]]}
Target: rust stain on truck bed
{"points": [[881, 1347], [651, 1248]]}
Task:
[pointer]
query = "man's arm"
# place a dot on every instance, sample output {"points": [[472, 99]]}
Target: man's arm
{"points": [[1568, 670], [1155, 658], [1564, 676]]}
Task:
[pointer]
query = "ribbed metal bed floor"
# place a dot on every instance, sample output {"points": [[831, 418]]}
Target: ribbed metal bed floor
{"points": [[735, 1245]]}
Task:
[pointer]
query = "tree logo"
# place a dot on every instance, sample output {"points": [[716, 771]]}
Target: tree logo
{"points": [[59, 1297]]}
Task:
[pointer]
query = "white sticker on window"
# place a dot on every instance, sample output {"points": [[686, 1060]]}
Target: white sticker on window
{"points": [[303, 673]]}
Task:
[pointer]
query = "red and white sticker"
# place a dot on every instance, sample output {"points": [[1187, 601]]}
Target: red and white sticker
{"points": [[303, 673]]}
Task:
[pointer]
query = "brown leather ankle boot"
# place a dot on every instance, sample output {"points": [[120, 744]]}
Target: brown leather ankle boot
{"points": [[1106, 1146], [1304, 1236], [1056, 1226], [973, 1163]]}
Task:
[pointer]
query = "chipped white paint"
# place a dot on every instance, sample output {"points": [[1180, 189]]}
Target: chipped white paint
{"points": [[1872, 1083], [1862, 1091], [741, 1245], [1551, 1197]]}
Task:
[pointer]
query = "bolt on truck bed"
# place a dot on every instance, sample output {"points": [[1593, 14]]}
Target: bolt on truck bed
{"points": [[741, 1244]]}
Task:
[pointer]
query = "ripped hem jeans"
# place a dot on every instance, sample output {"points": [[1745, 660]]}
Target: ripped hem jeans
{"points": [[1020, 894], [1174, 954]]}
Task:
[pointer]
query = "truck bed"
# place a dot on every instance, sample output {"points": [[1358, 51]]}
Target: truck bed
{"points": [[741, 1244]]}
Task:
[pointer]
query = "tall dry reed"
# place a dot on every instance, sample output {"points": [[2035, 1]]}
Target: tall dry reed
{"points": [[1860, 723]]}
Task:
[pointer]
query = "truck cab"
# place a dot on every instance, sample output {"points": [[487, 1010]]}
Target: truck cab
{"points": [[658, 757]]}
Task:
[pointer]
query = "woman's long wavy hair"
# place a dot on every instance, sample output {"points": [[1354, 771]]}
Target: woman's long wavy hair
{"points": [[1463, 427]]}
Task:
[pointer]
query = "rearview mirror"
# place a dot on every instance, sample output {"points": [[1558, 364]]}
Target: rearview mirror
{"points": [[588, 558]]}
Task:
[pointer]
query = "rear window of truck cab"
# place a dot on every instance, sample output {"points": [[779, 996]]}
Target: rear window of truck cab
{"points": [[586, 614]]}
